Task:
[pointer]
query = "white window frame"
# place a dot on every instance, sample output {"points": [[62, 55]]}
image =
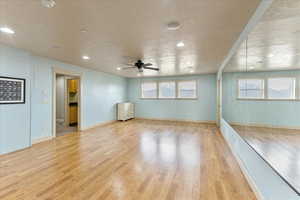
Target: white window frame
{"points": [[283, 99], [249, 98], [166, 81], [141, 90], [177, 89]]}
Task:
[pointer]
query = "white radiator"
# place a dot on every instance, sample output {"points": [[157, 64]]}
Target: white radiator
{"points": [[125, 111]]}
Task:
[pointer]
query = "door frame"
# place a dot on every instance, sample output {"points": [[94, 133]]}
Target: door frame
{"points": [[66, 73]]}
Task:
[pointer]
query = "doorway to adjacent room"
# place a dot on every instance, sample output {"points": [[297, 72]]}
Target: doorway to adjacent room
{"points": [[66, 103]]}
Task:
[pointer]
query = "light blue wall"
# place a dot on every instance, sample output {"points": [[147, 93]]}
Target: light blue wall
{"points": [[203, 109], [269, 186], [269, 113], [101, 92], [15, 118]]}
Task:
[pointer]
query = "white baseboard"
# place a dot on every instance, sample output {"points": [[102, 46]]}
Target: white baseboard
{"points": [[178, 120], [264, 125], [39, 140], [98, 124]]}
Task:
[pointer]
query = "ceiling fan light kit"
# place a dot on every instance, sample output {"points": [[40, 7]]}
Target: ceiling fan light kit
{"points": [[172, 26], [140, 66]]}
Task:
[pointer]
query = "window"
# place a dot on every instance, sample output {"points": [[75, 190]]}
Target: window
{"points": [[187, 89], [281, 88], [167, 90], [251, 88], [149, 90]]}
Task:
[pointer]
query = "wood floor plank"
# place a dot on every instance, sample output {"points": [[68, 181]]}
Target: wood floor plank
{"points": [[134, 160]]}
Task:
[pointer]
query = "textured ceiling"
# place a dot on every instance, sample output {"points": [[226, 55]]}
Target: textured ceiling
{"points": [[121, 31], [274, 44]]}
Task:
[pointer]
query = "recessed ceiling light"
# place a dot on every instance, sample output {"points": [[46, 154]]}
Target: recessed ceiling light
{"points": [[48, 3], [83, 30], [251, 67], [119, 68], [192, 71], [172, 26], [85, 57], [7, 30], [270, 55], [138, 74], [56, 47], [180, 44]]}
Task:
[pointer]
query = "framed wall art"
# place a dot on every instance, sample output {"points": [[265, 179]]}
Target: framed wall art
{"points": [[12, 90]]}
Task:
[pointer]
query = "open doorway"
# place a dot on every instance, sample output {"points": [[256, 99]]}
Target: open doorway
{"points": [[66, 112]]}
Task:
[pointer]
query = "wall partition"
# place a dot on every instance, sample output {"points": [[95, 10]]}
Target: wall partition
{"points": [[261, 103]]}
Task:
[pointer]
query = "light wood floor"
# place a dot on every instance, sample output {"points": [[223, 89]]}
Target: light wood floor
{"points": [[279, 147], [134, 160], [62, 129]]}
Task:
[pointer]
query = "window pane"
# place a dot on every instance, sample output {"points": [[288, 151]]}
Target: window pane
{"points": [[281, 88], [251, 88], [251, 94], [167, 90], [187, 89], [243, 94], [246, 84], [149, 90], [242, 84]]}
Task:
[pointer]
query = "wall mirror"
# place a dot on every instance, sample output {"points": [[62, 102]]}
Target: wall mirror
{"points": [[261, 90]]}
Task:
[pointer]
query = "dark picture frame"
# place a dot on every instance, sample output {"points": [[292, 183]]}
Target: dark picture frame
{"points": [[12, 90]]}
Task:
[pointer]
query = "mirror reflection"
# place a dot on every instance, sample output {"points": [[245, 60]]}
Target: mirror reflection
{"points": [[261, 90]]}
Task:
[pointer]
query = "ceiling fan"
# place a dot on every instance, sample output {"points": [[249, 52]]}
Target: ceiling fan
{"points": [[140, 66]]}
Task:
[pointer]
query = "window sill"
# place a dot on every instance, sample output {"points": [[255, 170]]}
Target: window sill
{"points": [[148, 98], [249, 99], [188, 98], [168, 98]]}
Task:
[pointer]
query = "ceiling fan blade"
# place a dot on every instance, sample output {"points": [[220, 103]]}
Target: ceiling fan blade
{"points": [[147, 64], [124, 68], [152, 68], [129, 64]]}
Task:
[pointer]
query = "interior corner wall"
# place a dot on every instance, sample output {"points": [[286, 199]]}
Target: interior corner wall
{"points": [[20, 124], [203, 109]]}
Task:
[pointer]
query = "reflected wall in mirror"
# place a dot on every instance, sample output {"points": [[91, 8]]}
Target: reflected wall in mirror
{"points": [[261, 90]]}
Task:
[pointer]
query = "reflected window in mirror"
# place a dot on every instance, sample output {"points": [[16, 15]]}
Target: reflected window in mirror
{"points": [[250, 88], [282, 88]]}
